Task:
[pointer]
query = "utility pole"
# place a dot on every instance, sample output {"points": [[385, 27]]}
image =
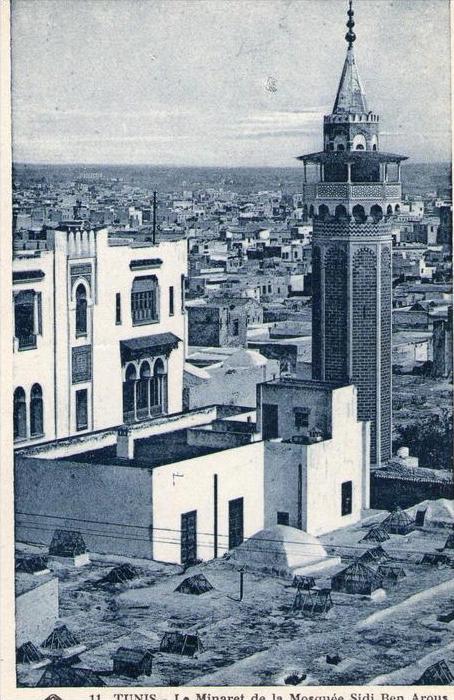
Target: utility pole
{"points": [[154, 217], [241, 583]]}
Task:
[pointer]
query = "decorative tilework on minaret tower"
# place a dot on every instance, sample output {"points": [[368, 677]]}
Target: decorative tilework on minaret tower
{"points": [[352, 203]]}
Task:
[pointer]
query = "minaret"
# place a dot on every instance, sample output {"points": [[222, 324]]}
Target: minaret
{"points": [[358, 190]]}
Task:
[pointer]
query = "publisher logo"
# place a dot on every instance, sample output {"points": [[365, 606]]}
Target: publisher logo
{"points": [[53, 697]]}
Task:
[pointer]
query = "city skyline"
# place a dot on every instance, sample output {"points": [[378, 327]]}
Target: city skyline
{"points": [[253, 110]]}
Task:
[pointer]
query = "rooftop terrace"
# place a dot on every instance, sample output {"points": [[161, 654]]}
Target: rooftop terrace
{"points": [[149, 452]]}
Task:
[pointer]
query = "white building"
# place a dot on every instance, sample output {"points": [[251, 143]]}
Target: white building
{"points": [[305, 464], [99, 333], [230, 379]]}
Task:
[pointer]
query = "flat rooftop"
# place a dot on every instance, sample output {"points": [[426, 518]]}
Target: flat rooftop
{"points": [[149, 452], [27, 582], [307, 383]]}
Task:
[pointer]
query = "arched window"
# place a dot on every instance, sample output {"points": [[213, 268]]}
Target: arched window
{"points": [[143, 390], [376, 213], [159, 398], [129, 394], [323, 212], [341, 212], [340, 147], [397, 208], [359, 142], [311, 211], [144, 300], [36, 411], [359, 214], [389, 210], [81, 310], [374, 147], [20, 414]]}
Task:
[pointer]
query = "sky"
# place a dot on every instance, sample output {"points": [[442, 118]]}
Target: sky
{"points": [[220, 82]]}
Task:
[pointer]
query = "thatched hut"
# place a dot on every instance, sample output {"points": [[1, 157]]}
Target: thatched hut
{"points": [[180, 643], [120, 574], [437, 674], [69, 546], [27, 653], [376, 555], [64, 676], [132, 662], [313, 601], [398, 523], [391, 572], [436, 559], [358, 578], [376, 534], [60, 638], [32, 564], [449, 544], [194, 585]]}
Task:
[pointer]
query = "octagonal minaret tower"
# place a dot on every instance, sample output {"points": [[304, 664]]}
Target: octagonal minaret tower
{"points": [[352, 203]]}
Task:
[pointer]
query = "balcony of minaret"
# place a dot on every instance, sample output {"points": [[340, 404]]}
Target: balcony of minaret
{"points": [[386, 193], [366, 183]]}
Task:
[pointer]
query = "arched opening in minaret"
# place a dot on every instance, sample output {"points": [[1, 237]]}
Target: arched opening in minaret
{"points": [[389, 210], [305, 213], [374, 147], [341, 213], [397, 208], [340, 147], [359, 142], [359, 214], [323, 212], [376, 213], [311, 211]]}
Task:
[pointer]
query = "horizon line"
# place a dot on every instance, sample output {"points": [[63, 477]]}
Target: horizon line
{"points": [[206, 167]]}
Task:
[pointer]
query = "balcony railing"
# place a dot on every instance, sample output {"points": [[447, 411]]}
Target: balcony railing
{"points": [[142, 414], [354, 190]]}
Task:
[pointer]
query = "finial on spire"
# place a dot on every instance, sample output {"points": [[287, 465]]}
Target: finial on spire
{"points": [[350, 36]]}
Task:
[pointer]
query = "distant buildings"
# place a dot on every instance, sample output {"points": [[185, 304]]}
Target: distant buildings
{"points": [[218, 323]]}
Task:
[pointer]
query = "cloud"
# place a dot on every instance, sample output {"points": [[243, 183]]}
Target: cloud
{"points": [[275, 134], [277, 124]]}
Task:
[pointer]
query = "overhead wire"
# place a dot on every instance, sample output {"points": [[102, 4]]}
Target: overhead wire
{"points": [[88, 531]]}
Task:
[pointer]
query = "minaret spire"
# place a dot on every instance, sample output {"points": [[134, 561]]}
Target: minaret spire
{"points": [[350, 36], [350, 96]]}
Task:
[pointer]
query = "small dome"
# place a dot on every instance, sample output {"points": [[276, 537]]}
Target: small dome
{"points": [[279, 547], [245, 358], [195, 371], [439, 511]]}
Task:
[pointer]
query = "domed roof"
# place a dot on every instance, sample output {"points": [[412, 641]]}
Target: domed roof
{"points": [[440, 510], [280, 547], [245, 358]]}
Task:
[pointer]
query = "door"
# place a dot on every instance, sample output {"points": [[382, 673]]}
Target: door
{"points": [[420, 517], [270, 421], [236, 520], [189, 537]]}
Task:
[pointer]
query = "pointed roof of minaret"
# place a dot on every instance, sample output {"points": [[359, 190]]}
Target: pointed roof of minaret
{"points": [[350, 96]]}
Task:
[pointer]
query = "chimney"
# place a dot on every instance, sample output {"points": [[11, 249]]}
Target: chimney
{"points": [[125, 443]]}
